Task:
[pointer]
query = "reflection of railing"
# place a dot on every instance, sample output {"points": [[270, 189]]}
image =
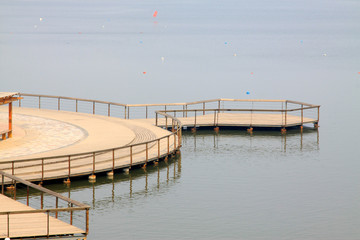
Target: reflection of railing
{"points": [[73, 205], [99, 161]]}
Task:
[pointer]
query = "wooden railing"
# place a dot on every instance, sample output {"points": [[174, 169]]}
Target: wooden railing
{"points": [[111, 155], [74, 205], [145, 111]]}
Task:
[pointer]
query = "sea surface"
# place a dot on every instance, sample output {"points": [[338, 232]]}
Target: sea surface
{"points": [[229, 185]]}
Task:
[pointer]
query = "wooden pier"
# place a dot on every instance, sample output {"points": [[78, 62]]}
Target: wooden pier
{"points": [[60, 138]]}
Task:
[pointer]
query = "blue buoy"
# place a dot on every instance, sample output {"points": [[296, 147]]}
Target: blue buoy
{"points": [[247, 93]]}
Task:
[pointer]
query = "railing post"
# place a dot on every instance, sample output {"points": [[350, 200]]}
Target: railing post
{"points": [[168, 145], [302, 114], [48, 223], [20, 100], [219, 105], [39, 103], [158, 148], [147, 151], [76, 105], [203, 108], [174, 135], [318, 118], [146, 112], [12, 168], [131, 156], [87, 221], [186, 108], [27, 195], [125, 111], [15, 190], [8, 224], [93, 107], [42, 200], [71, 215], [195, 120], [128, 114], [113, 159], [156, 121], [214, 118], [69, 165], [2, 184], [172, 125], [285, 113], [42, 170], [56, 206], [58, 104], [93, 172], [108, 109], [183, 110], [166, 122]]}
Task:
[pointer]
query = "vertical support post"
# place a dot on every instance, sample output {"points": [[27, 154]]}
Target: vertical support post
{"points": [[147, 153], [15, 190], [195, 120], [93, 107], [113, 159], [42, 170], [131, 156], [172, 125], [174, 135], [186, 108], [12, 167], [168, 145], [42, 200], [56, 206], [203, 108], [8, 224], [128, 114], [158, 148], [108, 109], [146, 112], [10, 120], [76, 105], [166, 122], [58, 104], [71, 215], [69, 166], [19, 100], [48, 222], [302, 114], [219, 105], [87, 221], [27, 196], [156, 121], [39, 102], [2, 184], [125, 112], [285, 113], [93, 172], [318, 117], [183, 110], [214, 118]]}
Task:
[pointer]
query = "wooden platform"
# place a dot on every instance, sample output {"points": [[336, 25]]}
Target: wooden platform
{"points": [[30, 225], [264, 120]]}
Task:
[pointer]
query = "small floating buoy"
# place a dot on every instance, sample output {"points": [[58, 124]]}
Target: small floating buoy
{"points": [[144, 166], [283, 130], [110, 173], [250, 130], [216, 129], [156, 163], [92, 177], [67, 181], [10, 188]]}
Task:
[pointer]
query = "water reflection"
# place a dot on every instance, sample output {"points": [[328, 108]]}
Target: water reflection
{"points": [[152, 179], [294, 139]]}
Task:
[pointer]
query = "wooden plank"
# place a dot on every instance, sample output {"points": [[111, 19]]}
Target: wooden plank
{"points": [[30, 224]]}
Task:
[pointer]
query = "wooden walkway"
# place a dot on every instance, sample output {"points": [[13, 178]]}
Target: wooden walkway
{"points": [[30, 224], [260, 120]]}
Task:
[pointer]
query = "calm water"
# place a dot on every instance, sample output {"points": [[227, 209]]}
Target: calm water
{"points": [[225, 186]]}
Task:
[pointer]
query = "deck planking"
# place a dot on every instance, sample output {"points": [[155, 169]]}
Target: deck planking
{"points": [[30, 224]]}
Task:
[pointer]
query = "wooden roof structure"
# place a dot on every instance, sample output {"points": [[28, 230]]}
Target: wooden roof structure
{"points": [[8, 98]]}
